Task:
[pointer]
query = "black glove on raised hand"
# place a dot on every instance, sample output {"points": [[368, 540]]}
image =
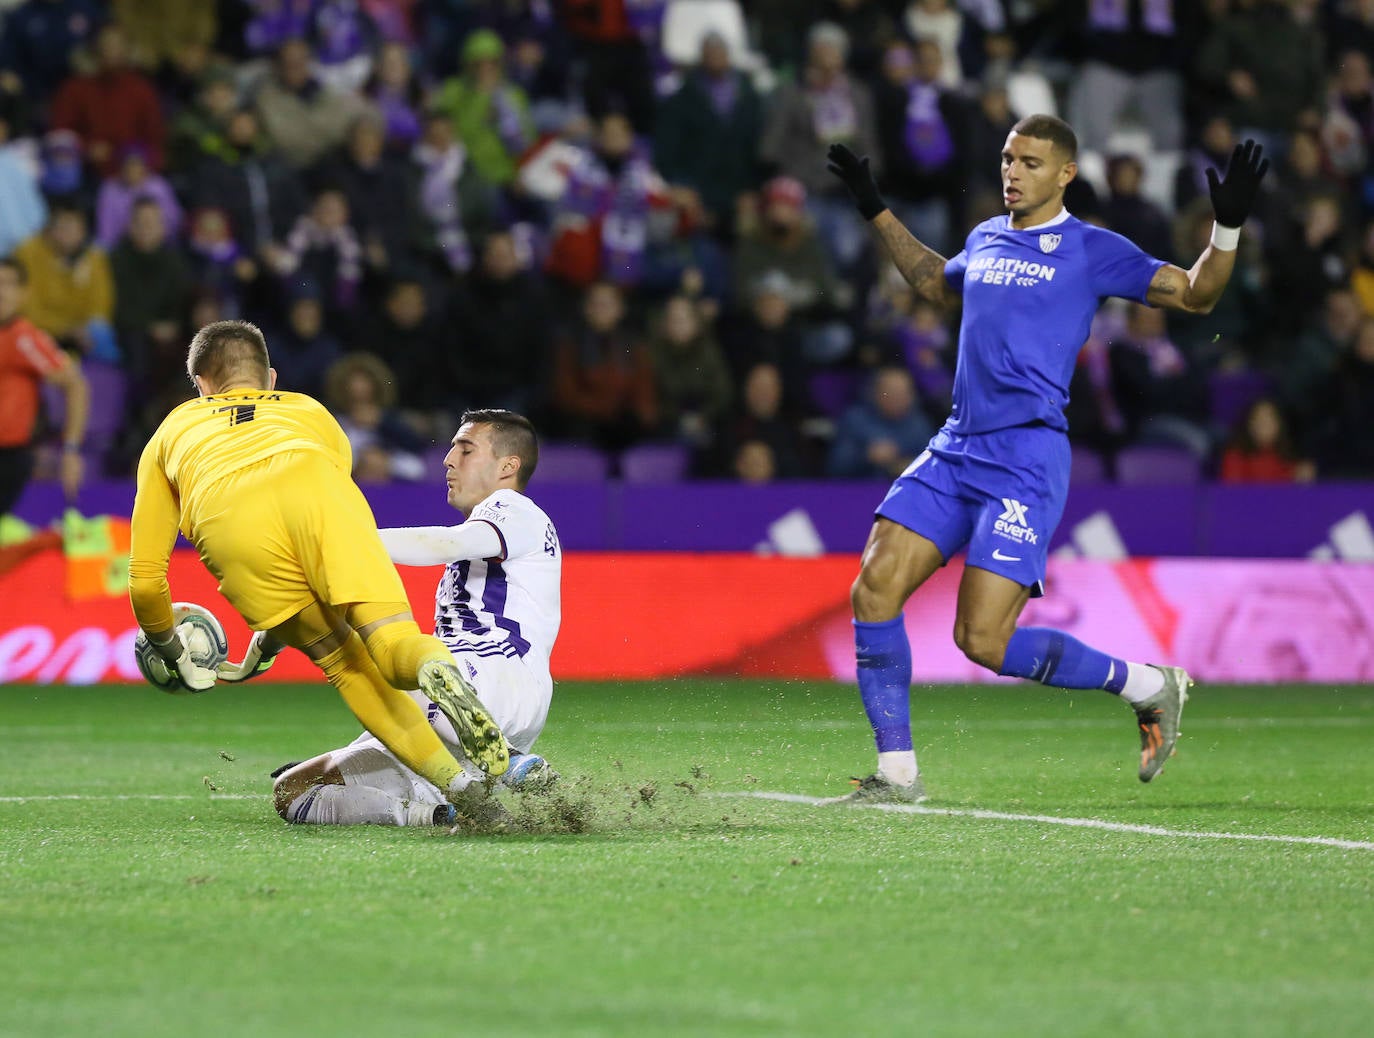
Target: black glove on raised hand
{"points": [[857, 177], [1233, 195]]}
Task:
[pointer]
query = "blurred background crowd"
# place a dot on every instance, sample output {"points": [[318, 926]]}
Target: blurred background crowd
{"points": [[614, 216]]}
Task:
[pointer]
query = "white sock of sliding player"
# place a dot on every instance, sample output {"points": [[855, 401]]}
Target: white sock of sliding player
{"points": [[350, 805]]}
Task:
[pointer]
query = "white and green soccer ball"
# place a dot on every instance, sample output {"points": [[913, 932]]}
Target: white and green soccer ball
{"points": [[204, 636]]}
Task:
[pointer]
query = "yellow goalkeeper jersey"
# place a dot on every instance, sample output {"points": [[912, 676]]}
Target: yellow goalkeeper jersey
{"points": [[221, 469]]}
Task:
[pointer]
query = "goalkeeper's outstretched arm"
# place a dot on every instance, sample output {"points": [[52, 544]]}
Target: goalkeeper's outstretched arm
{"points": [[153, 535]]}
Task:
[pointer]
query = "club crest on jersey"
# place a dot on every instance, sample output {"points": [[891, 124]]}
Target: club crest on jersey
{"points": [[1050, 242]]}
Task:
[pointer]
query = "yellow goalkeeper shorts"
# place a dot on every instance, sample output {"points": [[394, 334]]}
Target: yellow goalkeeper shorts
{"points": [[289, 531]]}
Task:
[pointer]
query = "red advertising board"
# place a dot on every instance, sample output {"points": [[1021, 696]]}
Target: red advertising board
{"points": [[646, 615]]}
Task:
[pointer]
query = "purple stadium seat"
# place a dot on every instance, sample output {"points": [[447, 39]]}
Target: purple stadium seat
{"points": [[834, 391], [571, 463], [433, 458], [1087, 466], [109, 389], [1232, 392], [655, 463], [1157, 465]]}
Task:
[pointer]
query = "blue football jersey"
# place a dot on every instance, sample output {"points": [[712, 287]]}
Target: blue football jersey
{"points": [[1029, 301]]}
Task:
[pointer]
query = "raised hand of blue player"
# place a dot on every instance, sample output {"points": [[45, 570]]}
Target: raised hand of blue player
{"points": [[857, 177], [1233, 194]]}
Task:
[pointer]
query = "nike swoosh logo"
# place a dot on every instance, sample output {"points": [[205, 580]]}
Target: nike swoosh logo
{"points": [[997, 554]]}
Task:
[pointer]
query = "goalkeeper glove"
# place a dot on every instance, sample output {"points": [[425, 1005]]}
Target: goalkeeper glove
{"points": [[260, 656], [176, 657]]}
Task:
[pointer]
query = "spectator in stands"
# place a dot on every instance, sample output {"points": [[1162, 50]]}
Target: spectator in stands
{"points": [[160, 31], [1130, 213], [360, 390], [490, 114], [304, 351], [603, 375], [1261, 449], [499, 330], [112, 107], [302, 116], [345, 38], [601, 225], [1132, 66], [22, 208], [1267, 66], [453, 198], [324, 249], [755, 463], [785, 240], [1351, 106], [878, 437], [152, 283], [767, 333], [1213, 147], [1163, 396], [28, 358], [1309, 256], [406, 329], [825, 106], [133, 182], [1346, 438], [395, 92], [218, 266], [942, 23], [691, 377], [38, 40], [764, 415], [71, 290], [918, 122], [260, 195], [381, 191], [986, 132], [615, 67], [870, 27], [200, 130], [1301, 374], [718, 104], [1301, 176]]}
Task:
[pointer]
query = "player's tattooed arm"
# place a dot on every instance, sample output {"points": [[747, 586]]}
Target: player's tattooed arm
{"points": [[922, 266], [1193, 291]]}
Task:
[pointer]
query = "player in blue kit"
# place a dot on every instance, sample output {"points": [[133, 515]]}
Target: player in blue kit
{"points": [[994, 479]]}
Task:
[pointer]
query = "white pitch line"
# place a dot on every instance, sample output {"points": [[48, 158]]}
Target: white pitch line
{"points": [[1076, 823], [132, 796], [1007, 725]]}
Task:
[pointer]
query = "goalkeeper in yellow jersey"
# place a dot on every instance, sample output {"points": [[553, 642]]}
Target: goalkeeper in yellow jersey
{"points": [[259, 481]]}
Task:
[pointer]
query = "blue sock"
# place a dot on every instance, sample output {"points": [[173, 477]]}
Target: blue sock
{"points": [[1054, 658], [884, 658]]}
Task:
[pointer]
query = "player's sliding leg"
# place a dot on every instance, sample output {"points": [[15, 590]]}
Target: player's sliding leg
{"points": [[986, 631], [317, 793], [896, 561], [389, 714], [407, 658]]}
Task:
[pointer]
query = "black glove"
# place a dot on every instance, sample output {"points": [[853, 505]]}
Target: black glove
{"points": [[1233, 196], [857, 177]]}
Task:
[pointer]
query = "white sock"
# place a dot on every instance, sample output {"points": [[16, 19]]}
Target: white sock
{"points": [[1142, 681], [898, 766], [330, 804]]}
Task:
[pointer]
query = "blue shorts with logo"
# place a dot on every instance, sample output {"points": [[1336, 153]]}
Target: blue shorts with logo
{"points": [[1001, 494]]}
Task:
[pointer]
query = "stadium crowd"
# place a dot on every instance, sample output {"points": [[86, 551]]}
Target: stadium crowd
{"points": [[614, 215]]}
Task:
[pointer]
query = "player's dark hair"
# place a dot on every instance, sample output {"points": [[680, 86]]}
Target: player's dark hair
{"points": [[228, 349], [20, 271], [511, 433], [1048, 128]]}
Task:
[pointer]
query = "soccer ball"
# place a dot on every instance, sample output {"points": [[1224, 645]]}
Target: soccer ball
{"points": [[203, 635]]}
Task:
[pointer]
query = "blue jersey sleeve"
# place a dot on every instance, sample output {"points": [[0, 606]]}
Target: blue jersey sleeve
{"points": [[1119, 267], [954, 270]]}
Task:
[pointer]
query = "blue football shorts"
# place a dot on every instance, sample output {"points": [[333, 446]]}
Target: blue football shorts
{"points": [[1000, 494]]}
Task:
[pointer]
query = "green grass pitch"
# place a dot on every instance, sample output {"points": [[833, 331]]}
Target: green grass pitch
{"points": [[147, 888]]}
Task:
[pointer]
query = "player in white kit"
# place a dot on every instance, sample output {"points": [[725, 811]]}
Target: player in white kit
{"points": [[497, 608]]}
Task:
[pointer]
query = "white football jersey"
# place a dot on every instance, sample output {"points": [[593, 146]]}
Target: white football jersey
{"points": [[511, 605]]}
